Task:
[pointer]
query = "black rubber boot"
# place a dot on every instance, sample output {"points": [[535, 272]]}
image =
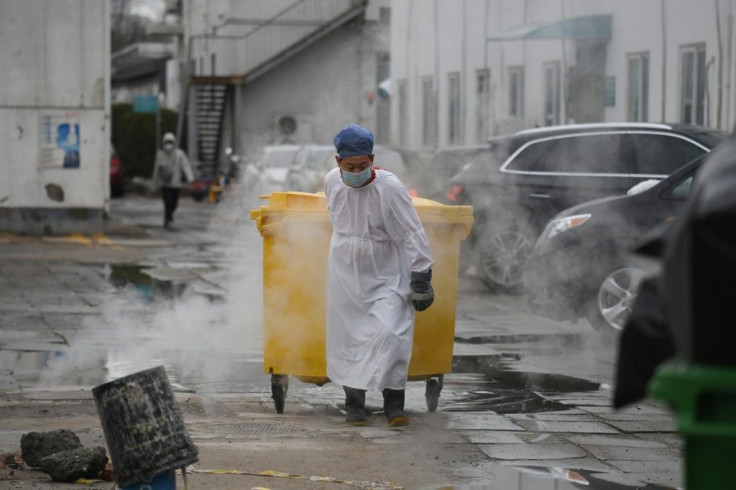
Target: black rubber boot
{"points": [[355, 406], [393, 407]]}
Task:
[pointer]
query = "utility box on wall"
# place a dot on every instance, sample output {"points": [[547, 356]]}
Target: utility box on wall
{"points": [[54, 115]]}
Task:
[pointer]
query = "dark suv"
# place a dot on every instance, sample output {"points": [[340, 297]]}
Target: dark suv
{"points": [[526, 178]]}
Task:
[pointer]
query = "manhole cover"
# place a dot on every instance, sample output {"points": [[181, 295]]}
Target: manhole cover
{"points": [[252, 428]]}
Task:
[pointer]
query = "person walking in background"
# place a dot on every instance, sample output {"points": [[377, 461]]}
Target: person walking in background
{"points": [[379, 273], [171, 168]]}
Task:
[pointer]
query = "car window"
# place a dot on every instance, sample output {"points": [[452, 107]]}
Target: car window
{"points": [[447, 163], [279, 158], [711, 138], [682, 190], [590, 153], [389, 160], [317, 156], [594, 153], [531, 158], [659, 154]]}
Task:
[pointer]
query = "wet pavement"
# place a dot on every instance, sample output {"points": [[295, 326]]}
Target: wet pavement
{"points": [[527, 405]]}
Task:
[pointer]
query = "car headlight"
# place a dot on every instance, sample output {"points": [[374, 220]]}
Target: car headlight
{"points": [[567, 223]]}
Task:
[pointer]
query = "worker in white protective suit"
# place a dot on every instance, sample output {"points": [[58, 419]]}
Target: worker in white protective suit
{"points": [[379, 272]]}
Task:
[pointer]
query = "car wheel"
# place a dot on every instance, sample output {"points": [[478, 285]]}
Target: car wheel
{"points": [[610, 306], [502, 257]]}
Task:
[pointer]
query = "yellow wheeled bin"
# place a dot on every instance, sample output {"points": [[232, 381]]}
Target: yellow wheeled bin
{"points": [[296, 233]]}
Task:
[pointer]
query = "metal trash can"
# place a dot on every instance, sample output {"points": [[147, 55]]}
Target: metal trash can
{"points": [[144, 429], [296, 233]]}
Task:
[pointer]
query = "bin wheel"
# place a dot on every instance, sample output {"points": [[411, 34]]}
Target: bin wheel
{"points": [[434, 387], [279, 387]]}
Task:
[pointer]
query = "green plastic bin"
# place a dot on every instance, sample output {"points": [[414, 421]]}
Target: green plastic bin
{"points": [[704, 398]]}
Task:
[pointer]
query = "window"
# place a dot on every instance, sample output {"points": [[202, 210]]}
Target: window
{"points": [[590, 153], [384, 15], [659, 154], [454, 133], [682, 190], [551, 93], [383, 108], [638, 87], [403, 105], [531, 158], [692, 97], [483, 104], [516, 91], [429, 112], [213, 64]]}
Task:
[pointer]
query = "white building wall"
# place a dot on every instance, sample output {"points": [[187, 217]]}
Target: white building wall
{"points": [[325, 86], [56, 62], [322, 88], [436, 37]]}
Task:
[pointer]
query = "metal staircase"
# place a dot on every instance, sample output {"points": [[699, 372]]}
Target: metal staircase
{"points": [[210, 101]]}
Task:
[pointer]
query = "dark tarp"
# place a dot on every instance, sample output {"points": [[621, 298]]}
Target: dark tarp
{"points": [[645, 342], [699, 270], [687, 311]]}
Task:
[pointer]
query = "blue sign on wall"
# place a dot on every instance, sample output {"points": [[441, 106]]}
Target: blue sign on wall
{"points": [[145, 103]]}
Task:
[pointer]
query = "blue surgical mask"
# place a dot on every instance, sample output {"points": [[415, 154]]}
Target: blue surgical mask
{"points": [[357, 180]]}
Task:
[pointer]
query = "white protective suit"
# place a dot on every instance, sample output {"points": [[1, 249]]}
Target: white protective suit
{"points": [[377, 241]]}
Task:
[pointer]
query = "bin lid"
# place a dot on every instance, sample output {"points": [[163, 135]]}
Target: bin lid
{"points": [[314, 205], [435, 212]]}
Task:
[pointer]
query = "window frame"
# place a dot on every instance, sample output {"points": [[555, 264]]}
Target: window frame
{"points": [[454, 109], [429, 112], [516, 91], [483, 104], [504, 167], [403, 106], [552, 93], [665, 135], [638, 95], [693, 79]]}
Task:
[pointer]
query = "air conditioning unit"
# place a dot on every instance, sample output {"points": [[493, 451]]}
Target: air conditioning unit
{"points": [[289, 129]]}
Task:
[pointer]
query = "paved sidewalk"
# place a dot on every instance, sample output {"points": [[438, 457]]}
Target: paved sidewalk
{"points": [[77, 311]]}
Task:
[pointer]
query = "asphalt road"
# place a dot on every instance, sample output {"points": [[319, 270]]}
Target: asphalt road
{"points": [[527, 404]]}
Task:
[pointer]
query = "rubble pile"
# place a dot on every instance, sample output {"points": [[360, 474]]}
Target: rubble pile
{"points": [[60, 454]]}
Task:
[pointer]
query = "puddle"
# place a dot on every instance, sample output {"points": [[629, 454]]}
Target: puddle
{"points": [[559, 338], [555, 478], [145, 281], [480, 393], [480, 384], [493, 367]]}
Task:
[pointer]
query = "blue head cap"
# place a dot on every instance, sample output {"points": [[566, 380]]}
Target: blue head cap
{"points": [[353, 140]]}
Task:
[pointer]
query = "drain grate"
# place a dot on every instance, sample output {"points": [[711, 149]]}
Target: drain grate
{"points": [[249, 429]]}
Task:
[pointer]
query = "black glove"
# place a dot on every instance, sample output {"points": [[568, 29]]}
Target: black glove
{"points": [[422, 294]]}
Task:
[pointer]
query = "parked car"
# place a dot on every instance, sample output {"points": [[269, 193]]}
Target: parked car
{"points": [[274, 164], [307, 173], [524, 179], [433, 180], [117, 186], [581, 265]]}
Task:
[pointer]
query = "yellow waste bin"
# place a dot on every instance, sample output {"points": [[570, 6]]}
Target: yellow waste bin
{"points": [[296, 233]]}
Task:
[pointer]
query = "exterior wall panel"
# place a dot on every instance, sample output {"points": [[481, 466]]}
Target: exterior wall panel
{"points": [[56, 64]]}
